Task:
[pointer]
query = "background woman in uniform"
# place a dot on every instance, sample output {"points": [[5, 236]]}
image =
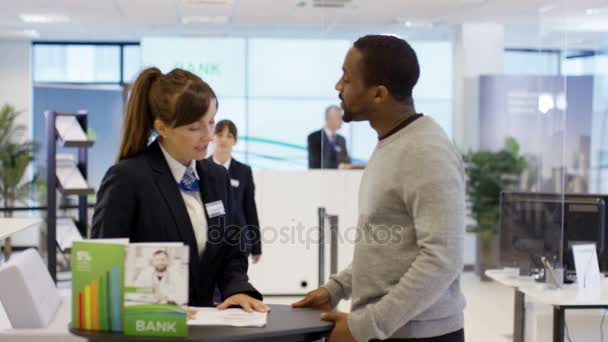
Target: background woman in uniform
{"points": [[241, 180]]}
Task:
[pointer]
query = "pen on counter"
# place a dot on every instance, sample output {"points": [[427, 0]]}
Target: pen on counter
{"points": [[550, 269]]}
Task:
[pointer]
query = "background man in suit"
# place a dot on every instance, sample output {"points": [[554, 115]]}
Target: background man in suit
{"points": [[327, 148]]}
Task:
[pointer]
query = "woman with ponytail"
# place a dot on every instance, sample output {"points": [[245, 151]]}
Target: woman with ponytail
{"points": [[165, 191]]}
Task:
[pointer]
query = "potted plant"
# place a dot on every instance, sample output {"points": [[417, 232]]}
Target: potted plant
{"points": [[488, 174], [15, 155]]}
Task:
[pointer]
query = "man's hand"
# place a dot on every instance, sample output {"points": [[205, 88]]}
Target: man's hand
{"points": [[256, 258], [246, 302], [340, 332], [319, 299]]}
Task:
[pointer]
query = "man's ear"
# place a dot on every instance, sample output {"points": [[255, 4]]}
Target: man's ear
{"points": [[381, 93]]}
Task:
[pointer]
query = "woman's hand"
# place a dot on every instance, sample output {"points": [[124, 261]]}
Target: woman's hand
{"points": [[191, 313], [246, 302]]}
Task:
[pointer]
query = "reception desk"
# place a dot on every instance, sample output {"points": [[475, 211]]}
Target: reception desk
{"points": [[288, 202], [287, 206]]}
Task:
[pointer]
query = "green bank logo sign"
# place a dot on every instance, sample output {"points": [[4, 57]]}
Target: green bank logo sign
{"points": [[202, 69], [155, 326]]}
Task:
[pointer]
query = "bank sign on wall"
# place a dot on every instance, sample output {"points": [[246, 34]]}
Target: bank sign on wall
{"points": [[276, 90], [219, 62]]}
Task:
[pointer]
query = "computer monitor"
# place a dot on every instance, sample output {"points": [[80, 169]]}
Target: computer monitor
{"points": [[531, 226], [584, 223]]}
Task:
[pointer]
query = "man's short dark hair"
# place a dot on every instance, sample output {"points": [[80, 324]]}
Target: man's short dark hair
{"points": [[220, 126], [160, 251], [391, 62]]}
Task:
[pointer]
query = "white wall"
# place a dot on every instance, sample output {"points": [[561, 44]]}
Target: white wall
{"points": [[16, 89], [478, 50], [16, 85], [287, 204]]}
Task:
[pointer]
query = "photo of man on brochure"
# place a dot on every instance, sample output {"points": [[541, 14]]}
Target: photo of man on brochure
{"points": [[156, 276]]}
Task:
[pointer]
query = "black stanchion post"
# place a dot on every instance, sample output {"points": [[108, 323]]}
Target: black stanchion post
{"points": [[82, 166], [322, 214], [333, 244], [51, 196]]}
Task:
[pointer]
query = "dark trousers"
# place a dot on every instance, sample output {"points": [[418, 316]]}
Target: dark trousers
{"points": [[456, 336]]}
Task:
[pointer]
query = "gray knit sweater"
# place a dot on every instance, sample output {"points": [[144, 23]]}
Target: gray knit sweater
{"points": [[404, 279]]}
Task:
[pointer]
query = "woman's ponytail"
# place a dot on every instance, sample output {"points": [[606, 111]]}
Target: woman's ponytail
{"points": [[139, 121]]}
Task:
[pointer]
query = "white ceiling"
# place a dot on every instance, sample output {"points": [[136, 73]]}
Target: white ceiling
{"points": [[529, 23]]}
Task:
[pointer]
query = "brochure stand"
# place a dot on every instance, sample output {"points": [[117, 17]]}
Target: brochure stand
{"points": [[66, 174]]}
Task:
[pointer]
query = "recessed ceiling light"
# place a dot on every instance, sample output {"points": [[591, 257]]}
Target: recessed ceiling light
{"points": [[331, 3], [218, 19], [20, 34], [204, 34], [413, 23], [390, 34], [44, 18], [546, 9], [31, 33], [207, 2], [595, 11]]}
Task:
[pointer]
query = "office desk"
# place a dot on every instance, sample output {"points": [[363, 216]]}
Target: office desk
{"points": [[569, 297], [285, 324], [10, 226], [519, 309]]}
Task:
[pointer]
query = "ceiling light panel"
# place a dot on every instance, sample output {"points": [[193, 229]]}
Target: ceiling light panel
{"points": [[207, 2], [19, 34], [35, 18], [330, 3], [218, 19]]}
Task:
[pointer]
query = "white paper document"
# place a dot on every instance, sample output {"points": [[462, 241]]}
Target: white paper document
{"points": [[69, 129], [229, 317], [587, 268], [68, 174], [67, 233]]}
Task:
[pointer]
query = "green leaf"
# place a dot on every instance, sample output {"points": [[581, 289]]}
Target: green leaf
{"points": [[489, 173], [15, 156]]}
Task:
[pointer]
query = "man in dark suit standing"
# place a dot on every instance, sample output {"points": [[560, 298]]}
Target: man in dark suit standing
{"points": [[327, 148]]}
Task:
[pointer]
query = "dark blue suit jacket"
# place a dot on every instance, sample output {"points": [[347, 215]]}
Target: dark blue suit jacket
{"points": [[319, 151], [244, 207], [140, 200]]}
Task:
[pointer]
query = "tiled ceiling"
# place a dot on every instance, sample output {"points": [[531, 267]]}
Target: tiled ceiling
{"points": [[534, 20]]}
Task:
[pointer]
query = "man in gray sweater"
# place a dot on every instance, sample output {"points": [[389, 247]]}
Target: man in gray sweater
{"points": [[404, 279]]}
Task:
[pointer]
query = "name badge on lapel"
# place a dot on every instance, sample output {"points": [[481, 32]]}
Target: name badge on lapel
{"points": [[235, 183], [215, 209], [338, 149]]}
